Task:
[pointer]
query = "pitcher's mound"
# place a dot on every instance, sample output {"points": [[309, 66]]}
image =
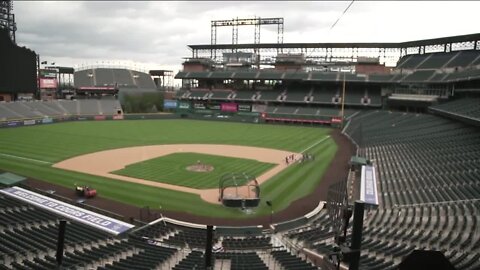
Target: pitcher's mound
{"points": [[200, 168]]}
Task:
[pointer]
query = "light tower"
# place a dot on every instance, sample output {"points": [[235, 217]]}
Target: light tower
{"points": [[7, 18], [235, 23]]}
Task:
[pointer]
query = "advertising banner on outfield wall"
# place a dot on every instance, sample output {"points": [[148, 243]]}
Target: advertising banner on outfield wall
{"points": [[87, 217], [229, 107], [259, 108], [99, 117], [28, 122], [336, 120], [47, 120], [213, 106], [14, 123], [169, 104], [244, 108], [183, 105], [199, 106]]}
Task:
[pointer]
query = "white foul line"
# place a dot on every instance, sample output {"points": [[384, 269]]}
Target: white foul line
{"points": [[328, 136], [24, 158]]}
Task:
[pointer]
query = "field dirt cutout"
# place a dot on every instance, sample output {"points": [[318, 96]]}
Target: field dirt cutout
{"points": [[103, 162]]}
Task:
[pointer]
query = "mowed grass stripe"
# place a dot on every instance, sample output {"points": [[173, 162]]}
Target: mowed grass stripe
{"points": [[172, 169], [61, 141]]}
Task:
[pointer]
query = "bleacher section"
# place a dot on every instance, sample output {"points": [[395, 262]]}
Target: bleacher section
{"points": [[243, 261], [187, 236], [84, 78], [103, 77], [413, 61], [57, 108], [142, 80], [123, 78], [233, 243], [463, 59], [271, 95], [289, 261], [323, 95], [476, 62], [419, 76], [467, 74], [375, 97], [297, 95], [148, 257], [301, 96], [439, 60], [29, 236], [417, 160], [464, 107], [438, 67], [381, 78], [222, 95], [428, 171], [244, 95], [307, 111], [194, 260]]}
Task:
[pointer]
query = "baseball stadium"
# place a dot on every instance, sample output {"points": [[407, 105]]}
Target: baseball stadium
{"points": [[267, 156]]}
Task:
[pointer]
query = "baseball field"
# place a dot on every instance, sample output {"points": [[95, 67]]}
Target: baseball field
{"points": [[146, 162]]}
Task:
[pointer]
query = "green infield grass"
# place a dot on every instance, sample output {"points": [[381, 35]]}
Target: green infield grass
{"points": [[172, 169], [31, 151]]}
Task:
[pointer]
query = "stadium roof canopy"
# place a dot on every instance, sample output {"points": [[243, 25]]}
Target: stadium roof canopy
{"points": [[417, 43]]}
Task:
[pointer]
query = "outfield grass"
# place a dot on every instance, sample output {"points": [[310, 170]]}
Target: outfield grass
{"points": [[171, 169], [30, 151]]}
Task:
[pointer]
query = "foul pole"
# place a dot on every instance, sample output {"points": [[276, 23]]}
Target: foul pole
{"points": [[343, 101]]}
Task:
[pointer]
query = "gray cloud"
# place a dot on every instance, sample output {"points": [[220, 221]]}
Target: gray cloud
{"points": [[156, 33]]}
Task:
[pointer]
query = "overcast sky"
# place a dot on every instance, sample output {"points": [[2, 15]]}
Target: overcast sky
{"points": [[156, 34]]}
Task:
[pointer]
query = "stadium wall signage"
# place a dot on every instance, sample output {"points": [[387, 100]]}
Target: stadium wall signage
{"points": [[184, 105], [48, 83], [368, 186], [47, 120], [84, 216], [28, 122], [229, 107], [244, 108], [14, 123], [169, 104]]}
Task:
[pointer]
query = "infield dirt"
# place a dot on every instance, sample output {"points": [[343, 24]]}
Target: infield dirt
{"points": [[104, 162]]}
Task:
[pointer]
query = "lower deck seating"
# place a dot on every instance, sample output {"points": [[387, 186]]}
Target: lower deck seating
{"points": [[58, 108], [463, 107]]}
